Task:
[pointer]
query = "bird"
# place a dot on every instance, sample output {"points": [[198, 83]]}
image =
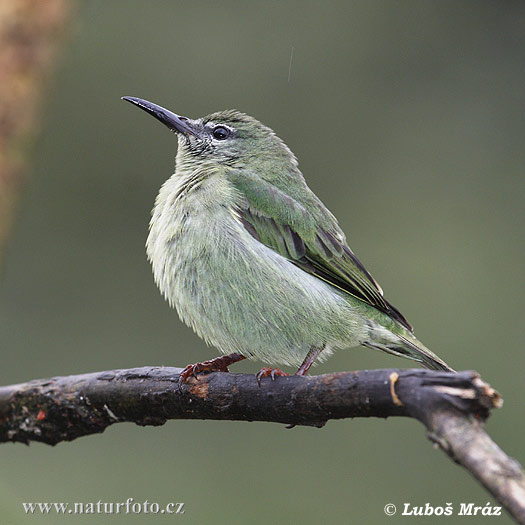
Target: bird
{"points": [[254, 262]]}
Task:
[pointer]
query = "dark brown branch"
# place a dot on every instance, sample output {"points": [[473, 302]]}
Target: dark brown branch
{"points": [[453, 407]]}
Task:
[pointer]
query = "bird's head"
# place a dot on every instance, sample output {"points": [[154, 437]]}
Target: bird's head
{"points": [[227, 138]]}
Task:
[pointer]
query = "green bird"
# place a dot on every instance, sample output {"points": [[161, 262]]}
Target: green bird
{"points": [[253, 261]]}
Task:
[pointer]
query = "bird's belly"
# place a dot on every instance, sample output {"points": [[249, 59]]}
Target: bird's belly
{"points": [[241, 296]]}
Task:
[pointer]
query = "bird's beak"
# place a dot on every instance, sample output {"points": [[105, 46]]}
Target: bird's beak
{"points": [[169, 119]]}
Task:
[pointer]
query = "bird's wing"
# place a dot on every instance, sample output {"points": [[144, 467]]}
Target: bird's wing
{"points": [[307, 234]]}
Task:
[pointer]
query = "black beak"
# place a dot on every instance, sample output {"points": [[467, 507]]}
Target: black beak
{"points": [[169, 119]]}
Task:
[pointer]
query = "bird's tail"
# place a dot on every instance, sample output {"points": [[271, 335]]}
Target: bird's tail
{"points": [[406, 345]]}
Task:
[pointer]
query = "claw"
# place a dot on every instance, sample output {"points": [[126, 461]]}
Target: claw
{"points": [[189, 371], [219, 364], [197, 368], [269, 371]]}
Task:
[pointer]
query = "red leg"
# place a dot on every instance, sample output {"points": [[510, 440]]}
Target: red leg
{"points": [[311, 356], [219, 364], [269, 371], [309, 360]]}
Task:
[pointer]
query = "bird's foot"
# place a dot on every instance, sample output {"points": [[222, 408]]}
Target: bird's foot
{"points": [[219, 364], [269, 371]]}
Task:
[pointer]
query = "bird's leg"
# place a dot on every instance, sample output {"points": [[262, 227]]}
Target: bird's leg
{"points": [[311, 356], [219, 364], [269, 371]]}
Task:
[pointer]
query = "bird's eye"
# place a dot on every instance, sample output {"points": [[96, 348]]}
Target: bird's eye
{"points": [[221, 133]]}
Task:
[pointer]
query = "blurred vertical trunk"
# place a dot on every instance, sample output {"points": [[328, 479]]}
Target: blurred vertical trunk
{"points": [[30, 33]]}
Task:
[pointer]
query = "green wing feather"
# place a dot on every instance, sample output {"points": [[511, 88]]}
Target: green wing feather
{"points": [[299, 227]]}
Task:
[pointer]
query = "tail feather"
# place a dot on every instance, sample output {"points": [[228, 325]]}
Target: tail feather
{"points": [[412, 349], [427, 358]]}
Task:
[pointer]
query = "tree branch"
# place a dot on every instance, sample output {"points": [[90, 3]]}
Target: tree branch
{"points": [[453, 408]]}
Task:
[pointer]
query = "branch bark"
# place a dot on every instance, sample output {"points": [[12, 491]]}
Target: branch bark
{"points": [[452, 407]]}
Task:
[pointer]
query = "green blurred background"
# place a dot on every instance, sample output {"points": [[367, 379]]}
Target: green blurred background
{"points": [[408, 121]]}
